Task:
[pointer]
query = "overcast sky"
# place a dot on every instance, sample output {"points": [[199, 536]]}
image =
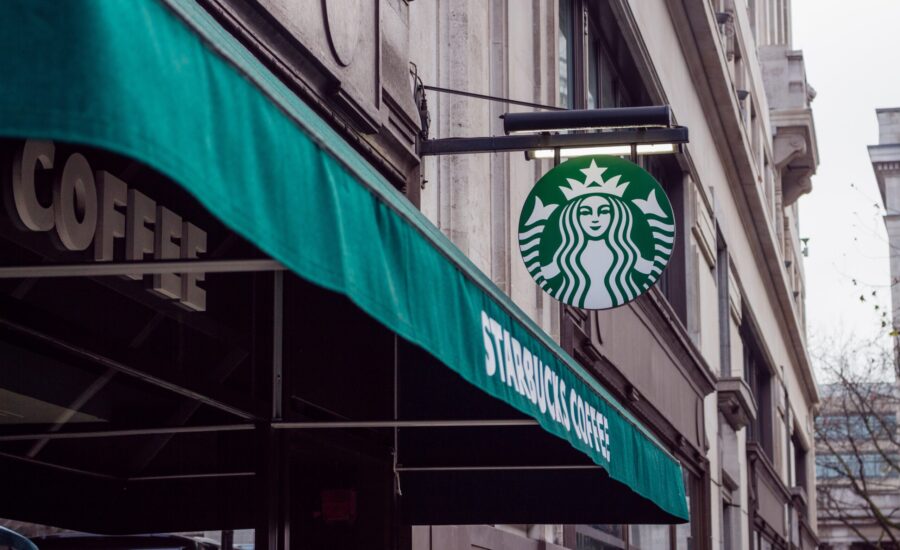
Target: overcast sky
{"points": [[851, 51]]}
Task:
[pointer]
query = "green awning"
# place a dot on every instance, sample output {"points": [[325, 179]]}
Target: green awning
{"points": [[161, 82]]}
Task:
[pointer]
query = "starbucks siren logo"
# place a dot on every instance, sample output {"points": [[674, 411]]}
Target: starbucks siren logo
{"points": [[596, 233]]}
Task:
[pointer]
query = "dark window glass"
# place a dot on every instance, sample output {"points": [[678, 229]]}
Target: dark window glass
{"points": [[672, 282], [599, 537], [868, 465], [132, 352], [566, 62], [593, 88], [687, 533], [799, 464], [856, 426], [724, 305], [650, 537], [759, 378], [611, 93]]}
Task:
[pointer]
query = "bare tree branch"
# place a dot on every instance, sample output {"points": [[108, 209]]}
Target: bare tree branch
{"points": [[858, 445]]}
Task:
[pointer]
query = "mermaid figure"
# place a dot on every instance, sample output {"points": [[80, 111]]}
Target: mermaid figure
{"points": [[596, 256]]}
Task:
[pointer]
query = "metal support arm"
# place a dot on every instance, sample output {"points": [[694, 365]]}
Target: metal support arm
{"points": [[522, 142]]}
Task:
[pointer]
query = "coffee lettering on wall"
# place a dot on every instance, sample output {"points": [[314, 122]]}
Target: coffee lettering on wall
{"points": [[96, 208]]}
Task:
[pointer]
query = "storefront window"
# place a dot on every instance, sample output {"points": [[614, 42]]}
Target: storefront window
{"points": [[613, 530], [727, 526], [873, 465], [759, 379], [593, 89], [673, 281], [856, 426], [612, 94], [684, 536], [650, 537], [199, 332]]}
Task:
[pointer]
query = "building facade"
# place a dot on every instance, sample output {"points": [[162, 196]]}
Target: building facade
{"points": [[885, 157], [709, 368], [714, 358], [856, 437]]}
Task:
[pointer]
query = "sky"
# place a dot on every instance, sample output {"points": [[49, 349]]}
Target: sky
{"points": [[851, 51]]}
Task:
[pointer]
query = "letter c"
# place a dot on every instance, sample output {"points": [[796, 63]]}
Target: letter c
{"points": [[573, 406], [32, 213]]}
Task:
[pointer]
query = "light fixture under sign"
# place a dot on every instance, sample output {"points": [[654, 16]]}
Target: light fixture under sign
{"points": [[612, 150]]}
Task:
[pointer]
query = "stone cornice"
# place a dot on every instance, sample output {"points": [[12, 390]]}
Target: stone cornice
{"points": [[885, 161], [888, 153]]}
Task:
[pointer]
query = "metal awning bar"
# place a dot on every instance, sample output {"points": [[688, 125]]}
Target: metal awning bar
{"points": [[150, 267], [55, 466], [402, 424], [129, 433], [492, 98], [339, 425], [522, 142], [496, 468], [191, 476], [125, 369]]}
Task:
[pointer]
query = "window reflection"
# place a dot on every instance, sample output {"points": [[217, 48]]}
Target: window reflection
{"points": [[565, 55], [650, 537]]}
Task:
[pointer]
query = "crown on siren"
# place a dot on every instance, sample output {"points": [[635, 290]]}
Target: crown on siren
{"points": [[594, 184]]}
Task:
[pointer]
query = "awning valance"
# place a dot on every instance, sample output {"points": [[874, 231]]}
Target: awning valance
{"points": [[161, 82]]}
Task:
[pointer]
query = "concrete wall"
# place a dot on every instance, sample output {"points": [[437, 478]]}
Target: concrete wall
{"points": [[502, 49]]}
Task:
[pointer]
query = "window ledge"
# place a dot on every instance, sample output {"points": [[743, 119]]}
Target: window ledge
{"points": [[736, 403]]}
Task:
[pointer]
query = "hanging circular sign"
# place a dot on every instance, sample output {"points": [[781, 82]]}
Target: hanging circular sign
{"points": [[596, 232]]}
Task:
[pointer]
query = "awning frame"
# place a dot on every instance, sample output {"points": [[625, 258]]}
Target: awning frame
{"points": [[225, 172]]}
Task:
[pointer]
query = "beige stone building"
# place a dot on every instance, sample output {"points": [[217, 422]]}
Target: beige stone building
{"points": [[715, 358], [885, 158]]}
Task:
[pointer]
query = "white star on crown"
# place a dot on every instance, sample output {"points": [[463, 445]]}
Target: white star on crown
{"points": [[594, 184]]}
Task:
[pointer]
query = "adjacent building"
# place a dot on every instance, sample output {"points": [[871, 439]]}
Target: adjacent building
{"points": [[857, 420], [856, 465], [885, 159], [235, 243]]}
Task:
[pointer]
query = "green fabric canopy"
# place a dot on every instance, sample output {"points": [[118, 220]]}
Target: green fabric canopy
{"points": [[161, 82]]}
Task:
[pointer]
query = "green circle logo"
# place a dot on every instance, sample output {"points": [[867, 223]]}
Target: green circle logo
{"points": [[596, 232]]}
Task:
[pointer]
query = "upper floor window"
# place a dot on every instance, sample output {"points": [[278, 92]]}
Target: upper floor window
{"points": [[605, 85], [856, 426], [597, 70], [595, 67], [863, 465], [799, 463], [673, 281], [759, 377]]}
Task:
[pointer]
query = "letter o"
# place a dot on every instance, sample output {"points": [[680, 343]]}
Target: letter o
{"points": [[74, 193]]}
